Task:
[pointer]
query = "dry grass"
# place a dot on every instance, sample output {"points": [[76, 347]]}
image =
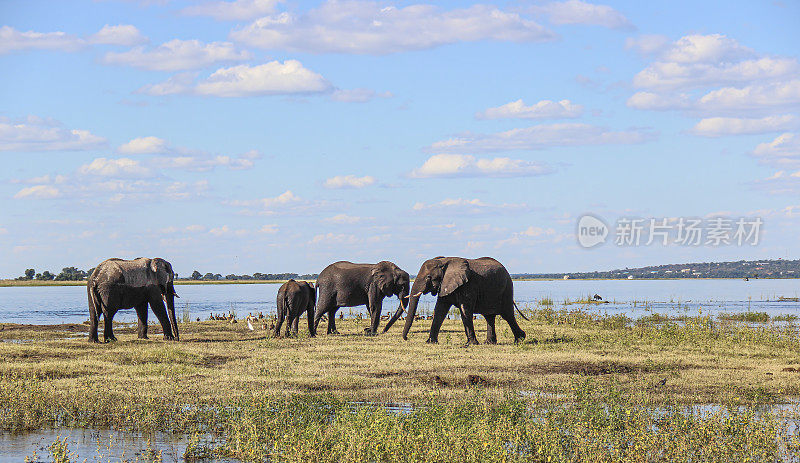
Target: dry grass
{"points": [[215, 360]]}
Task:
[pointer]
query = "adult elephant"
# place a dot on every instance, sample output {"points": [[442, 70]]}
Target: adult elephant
{"points": [[476, 286], [294, 297], [345, 284], [118, 284]]}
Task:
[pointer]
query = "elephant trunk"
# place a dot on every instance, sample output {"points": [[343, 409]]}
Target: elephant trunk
{"points": [[170, 297], [403, 295], [413, 301]]}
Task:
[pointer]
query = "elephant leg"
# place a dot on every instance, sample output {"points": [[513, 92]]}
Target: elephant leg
{"points": [[469, 327], [439, 313], [296, 323], [311, 328], [93, 319], [376, 317], [280, 316], [332, 322], [519, 335], [108, 326], [326, 305], [161, 313], [491, 335], [141, 314]]}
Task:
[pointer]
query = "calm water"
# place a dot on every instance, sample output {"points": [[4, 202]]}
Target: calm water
{"points": [[68, 304]]}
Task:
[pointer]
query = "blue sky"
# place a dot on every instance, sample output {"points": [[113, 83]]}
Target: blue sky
{"points": [[265, 136]]}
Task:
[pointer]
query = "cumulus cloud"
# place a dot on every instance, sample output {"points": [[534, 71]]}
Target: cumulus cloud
{"points": [[659, 102], [145, 145], [177, 55], [344, 219], [464, 165], [780, 183], [335, 239], [273, 78], [545, 109], [286, 203], [176, 157], [13, 40], [719, 126], [578, 12], [374, 28], [784, 150], [39, 134], [756, 97], [233, 10], [462, 206], [122, 167], [121, 34], [540, 137], [349, 181], [38, 192], [705, 60]]}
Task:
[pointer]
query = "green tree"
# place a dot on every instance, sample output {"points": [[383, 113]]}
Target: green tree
{"points": [[29, 274], [196, 275]]}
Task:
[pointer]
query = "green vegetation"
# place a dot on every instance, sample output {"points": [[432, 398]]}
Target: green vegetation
{"points": [[583, 386]]}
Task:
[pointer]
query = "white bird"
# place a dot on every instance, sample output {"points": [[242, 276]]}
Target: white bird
{"points": [[250, 325]]}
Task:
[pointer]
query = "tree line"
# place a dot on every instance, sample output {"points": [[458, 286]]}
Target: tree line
{"points": [[196, 275], [67, 274]]}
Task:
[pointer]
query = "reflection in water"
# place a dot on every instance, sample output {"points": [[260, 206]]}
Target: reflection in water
{"points": [[104, 445]]}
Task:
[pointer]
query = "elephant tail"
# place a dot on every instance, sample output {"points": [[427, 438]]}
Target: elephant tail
{"points": [[97, 301], [520, 312]]}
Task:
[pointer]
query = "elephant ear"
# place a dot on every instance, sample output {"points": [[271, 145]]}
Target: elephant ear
{"points": [[382, 277], [160, 273], [456, 274]]}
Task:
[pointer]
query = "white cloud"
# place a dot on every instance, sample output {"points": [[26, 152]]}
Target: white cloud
{"points": [[461, 206], [177, 55], [273, 78], [364, 27], [647, 44], [783, 150], [540, 137], [122, 167], [712, 48], [676, 75], [122, 34], [545, 109], [38, 134], [203, 163], [780, 183], [344, 219], [14, 40], [232, 10], [719, 126], [578, 12], [358, 95], [184, 158], [753, 97], [286, 203], [145, 145], [38, 192], [349, 181], [461, 165], [659, 102]]}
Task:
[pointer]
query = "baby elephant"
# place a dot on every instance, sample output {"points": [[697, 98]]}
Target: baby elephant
{"points": [[293, 298]]}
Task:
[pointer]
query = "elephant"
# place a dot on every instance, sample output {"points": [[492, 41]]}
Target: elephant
{"points": [[118, 284], [293, 298], [345, 284], [476, 286]]}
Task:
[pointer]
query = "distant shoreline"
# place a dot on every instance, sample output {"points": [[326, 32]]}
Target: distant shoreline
{"points": [[24, 283]]}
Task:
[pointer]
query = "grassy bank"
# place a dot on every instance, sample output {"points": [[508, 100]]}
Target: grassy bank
{"points": [[582, 386], [11, 283]]}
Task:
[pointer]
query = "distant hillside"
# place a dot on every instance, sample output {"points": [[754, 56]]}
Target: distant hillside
{"points": [[741, 269]]}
